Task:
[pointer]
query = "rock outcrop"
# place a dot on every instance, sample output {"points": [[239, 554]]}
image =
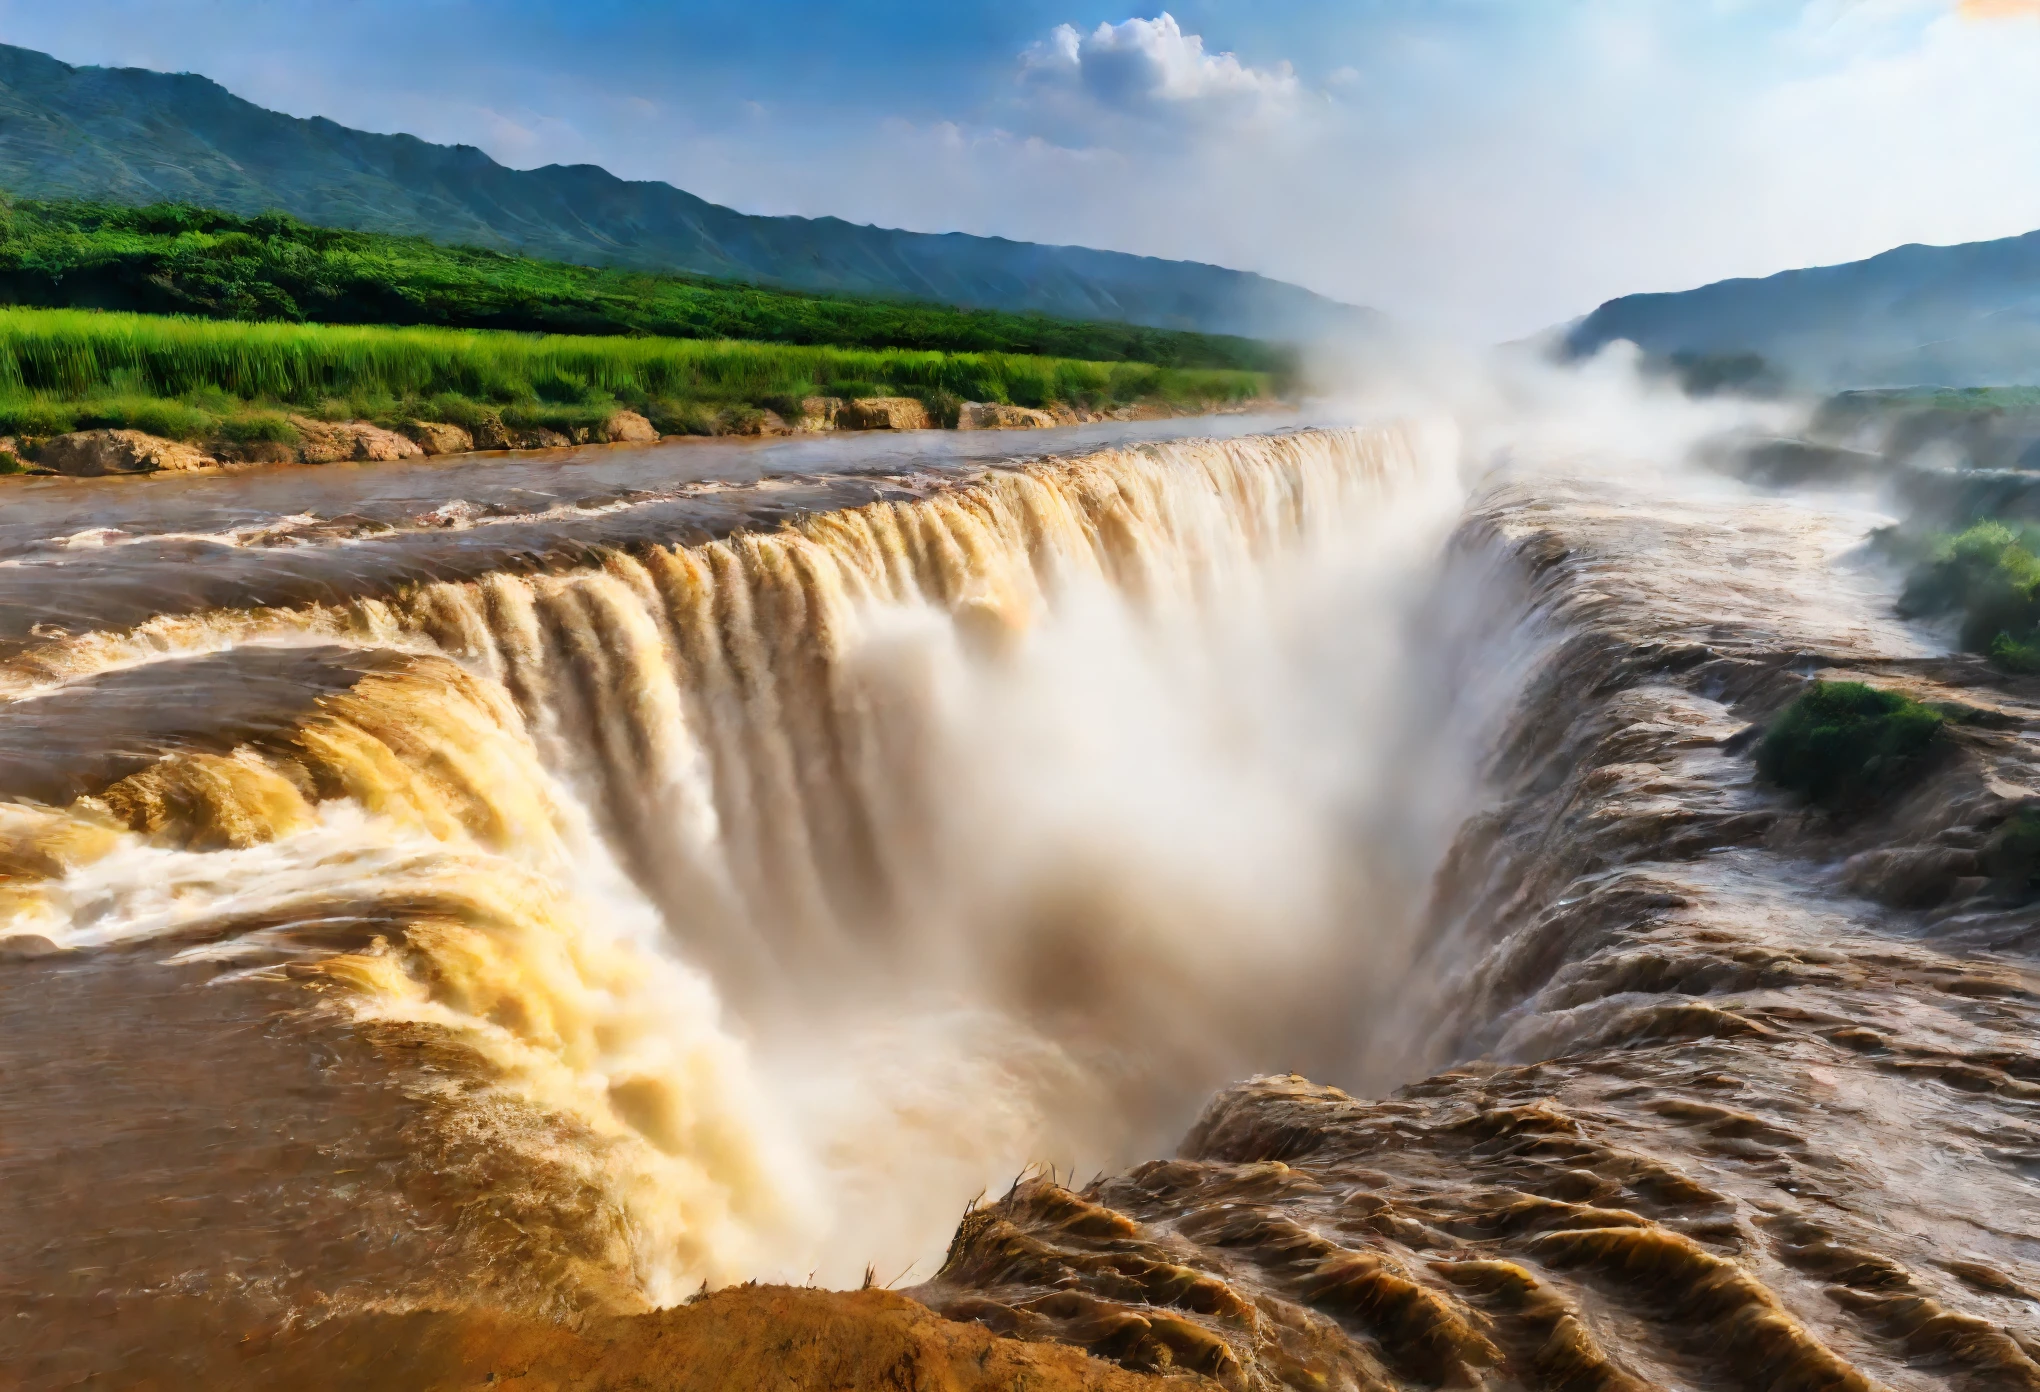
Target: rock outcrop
{"points": [[435, 437], [741, 1340], [884, 413], [93, 453], [630, 428], [817, 413], [997, 415], [1705, 1119], [333, 442]]}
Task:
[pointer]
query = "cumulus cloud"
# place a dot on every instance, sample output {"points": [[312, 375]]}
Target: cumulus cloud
{"points": [[1147, 66]]}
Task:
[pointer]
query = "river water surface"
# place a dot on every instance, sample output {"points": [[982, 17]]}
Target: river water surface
{"points": [[555, 885]]}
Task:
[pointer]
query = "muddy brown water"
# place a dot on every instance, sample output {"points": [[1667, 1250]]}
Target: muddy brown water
{"points": [[400, 936]]}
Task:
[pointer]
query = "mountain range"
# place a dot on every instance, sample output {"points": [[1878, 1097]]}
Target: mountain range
{"points": [[130, 135], [1964, 315]]}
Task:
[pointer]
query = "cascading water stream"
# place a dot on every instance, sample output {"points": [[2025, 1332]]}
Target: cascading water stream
{"points": [[793, 888]]}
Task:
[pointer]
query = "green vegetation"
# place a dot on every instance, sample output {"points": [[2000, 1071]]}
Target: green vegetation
{"points": [[176, 259], [1937, 399], [1722, 374], [2012, 857], [196, 379], [1990, 576], [1846, 745]]}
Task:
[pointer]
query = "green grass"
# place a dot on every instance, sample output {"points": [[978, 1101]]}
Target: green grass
{"points": [[176, 259], [1848, 746], [1989, 575], [195, 379]]}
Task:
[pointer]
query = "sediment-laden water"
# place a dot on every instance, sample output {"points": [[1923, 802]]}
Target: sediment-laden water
{"points": [[551, 906]]}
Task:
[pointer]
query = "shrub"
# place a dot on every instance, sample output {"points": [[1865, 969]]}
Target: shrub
{"points": [[944, 408], [265, 426], [1990, 575], [2008, 654], [2012, 857], [1848, 746]]}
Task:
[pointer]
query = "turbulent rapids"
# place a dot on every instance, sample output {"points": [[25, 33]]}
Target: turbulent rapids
{"points": [[475, 935]]}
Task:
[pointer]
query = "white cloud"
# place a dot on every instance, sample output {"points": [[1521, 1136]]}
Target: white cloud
{"points": [[1152, 66]]}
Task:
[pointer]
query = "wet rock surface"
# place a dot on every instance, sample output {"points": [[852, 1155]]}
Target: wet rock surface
{"points": [[883, 413], [997, 415], [1732, 1094], [1715, 1090], [329, 442], [95, 453]]}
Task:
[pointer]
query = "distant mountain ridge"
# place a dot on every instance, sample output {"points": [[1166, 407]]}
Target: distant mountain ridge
{"points": [[132, 135], [1965, 315]]}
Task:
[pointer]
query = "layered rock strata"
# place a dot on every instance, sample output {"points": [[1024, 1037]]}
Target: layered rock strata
{"points": [[1708, 1114]]}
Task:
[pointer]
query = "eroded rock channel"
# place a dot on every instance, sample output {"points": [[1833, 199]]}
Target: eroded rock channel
{"points": [[520, 951], [1738, 1098]]}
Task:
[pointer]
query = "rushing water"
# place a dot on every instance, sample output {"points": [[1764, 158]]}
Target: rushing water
{"points": [[677, 867], [790, 889]]}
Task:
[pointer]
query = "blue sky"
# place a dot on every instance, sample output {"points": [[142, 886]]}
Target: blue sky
{"points": [[1488, 166]]}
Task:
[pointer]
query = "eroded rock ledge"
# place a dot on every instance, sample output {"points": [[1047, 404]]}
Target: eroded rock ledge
{"points": [[99, 453], [1714, 1118]]}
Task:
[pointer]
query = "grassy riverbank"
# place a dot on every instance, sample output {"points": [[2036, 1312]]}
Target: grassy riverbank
{"points": [[175, 259], [192, 379]]}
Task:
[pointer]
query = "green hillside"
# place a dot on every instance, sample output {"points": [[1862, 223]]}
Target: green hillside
{"points": [[135, 137], [1925, 316], [177, 259]]}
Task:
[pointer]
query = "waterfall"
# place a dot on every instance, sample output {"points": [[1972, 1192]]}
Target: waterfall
{"points": [[795, 887]]}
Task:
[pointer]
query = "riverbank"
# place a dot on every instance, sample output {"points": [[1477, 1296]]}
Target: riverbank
{"points": [[268, 392], [106, 452]]}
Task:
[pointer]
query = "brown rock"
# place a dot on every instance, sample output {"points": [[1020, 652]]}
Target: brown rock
{"points": [[818, 413], [996, 415], [490, 434], [744, 1339], [329, 442], [372, 442], [25, 947], [538, 437], [628, 427], [90, 453], [322, 442], [437, 437], [884, 413], [255, 451]]}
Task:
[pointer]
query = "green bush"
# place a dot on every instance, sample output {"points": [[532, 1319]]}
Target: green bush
{"points": [[2012, 857], [1848, 746], [2008, 654], [1990, 576], [944, 408], [258, 426]]}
